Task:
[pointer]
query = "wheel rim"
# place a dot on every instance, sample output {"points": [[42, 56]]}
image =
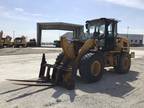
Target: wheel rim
{"points": [[126, 63], [95, 68]]}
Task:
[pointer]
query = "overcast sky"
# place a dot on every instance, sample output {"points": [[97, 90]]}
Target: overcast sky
{"points": [[21, 16]]}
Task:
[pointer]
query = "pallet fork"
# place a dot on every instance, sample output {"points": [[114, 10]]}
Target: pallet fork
{"points": [[59, 75]]}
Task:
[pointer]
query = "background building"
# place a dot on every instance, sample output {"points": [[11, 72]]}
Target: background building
{"points": [[134, 39]]}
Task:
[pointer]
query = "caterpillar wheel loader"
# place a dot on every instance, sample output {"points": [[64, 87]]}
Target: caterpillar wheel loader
{"points": [[90, 54]]}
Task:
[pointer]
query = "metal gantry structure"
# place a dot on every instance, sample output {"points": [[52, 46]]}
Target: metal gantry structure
{"points": [[77, 29]]}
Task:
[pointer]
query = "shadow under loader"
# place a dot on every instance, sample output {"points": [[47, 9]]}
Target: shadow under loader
{"points": [[112, 84]]}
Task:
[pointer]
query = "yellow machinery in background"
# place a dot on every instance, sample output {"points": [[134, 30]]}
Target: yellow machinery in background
{"points": [[1, 40], [31, 43], [17, 42], [20, 42], [5, 41]]}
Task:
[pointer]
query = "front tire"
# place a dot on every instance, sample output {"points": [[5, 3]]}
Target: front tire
{"points": [[91, 67]]}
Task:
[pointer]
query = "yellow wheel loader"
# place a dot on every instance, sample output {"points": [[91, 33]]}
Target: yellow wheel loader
{"points": [[89, 54]]}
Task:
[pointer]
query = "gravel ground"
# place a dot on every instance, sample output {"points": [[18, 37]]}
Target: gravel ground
{"points": [[19, 51], [113, 91]]}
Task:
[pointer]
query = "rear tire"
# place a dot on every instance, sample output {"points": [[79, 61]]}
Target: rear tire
{"points": [[124, 63], [91, 67]]}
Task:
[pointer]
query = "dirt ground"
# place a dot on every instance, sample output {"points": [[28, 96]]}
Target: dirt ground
{"points": [[113, 91], [21, 51]]}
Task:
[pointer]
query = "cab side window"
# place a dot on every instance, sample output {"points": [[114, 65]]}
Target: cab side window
{"points": [[110, 33]]}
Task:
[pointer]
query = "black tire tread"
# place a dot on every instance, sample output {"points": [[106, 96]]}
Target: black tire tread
{"points": [[84, 68], [119, 69]]}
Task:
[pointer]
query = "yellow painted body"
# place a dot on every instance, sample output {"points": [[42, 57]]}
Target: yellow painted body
{"points": [[8, 42], [1, 42], [122, 45], [5, 42], [74, 56], [70, 54], [69, 51]]}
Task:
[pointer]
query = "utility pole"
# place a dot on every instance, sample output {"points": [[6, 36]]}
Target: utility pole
{"points": [[127, 31], [13, 34]]}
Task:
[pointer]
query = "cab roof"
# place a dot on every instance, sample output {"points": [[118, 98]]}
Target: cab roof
{"points": [[102, 21]]}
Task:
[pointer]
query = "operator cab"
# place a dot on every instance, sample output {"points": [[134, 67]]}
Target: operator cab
{"points": [[104, 30]]}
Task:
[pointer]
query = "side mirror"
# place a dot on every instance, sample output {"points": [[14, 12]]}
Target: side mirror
{"points": [[87, 31], [86, 26]]}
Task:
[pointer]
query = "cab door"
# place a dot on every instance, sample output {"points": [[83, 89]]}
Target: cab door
{"points": [[110, 39]]}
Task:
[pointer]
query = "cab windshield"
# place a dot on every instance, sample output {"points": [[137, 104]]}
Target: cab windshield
{"points": [[96, 30]]}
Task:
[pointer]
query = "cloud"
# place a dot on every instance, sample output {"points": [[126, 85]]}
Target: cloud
{"points": [[36, 14], [19, 9], [1, 7], [139, 4], [18, 14]]}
